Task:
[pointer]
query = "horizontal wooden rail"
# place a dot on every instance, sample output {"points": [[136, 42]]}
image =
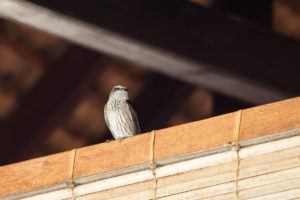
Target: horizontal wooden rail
{"points": [[253, 126]]}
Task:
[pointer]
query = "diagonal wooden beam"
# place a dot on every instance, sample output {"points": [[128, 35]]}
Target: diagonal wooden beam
{"points": [[178, 38], [49, 102]]}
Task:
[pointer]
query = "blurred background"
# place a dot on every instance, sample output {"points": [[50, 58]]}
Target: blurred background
{"points": [[53, 90]]}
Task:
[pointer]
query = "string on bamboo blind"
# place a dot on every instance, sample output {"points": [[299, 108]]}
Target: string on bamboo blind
{"points": [[70, 175], [236, 148], [152, 167], [152, 164]]}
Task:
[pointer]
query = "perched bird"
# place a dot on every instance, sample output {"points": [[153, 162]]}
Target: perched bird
{"points": [[119, 114]]}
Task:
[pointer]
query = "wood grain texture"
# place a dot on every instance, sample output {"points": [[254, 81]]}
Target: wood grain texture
{"points": [[194, 136], [112, 155], [270, 118], [34, 174], [122, 192], [174, 141]]}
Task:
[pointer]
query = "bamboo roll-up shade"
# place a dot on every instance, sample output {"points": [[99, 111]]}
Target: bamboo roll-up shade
{"points": [[260, 175], [199, 160], [276, 169]]}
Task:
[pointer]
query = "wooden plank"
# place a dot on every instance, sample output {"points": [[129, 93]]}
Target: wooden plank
{"points": [[269, 181], [218, 174], [270, 189], [64, 194], [209, 176], [251, 177], [132, 191], [270, 157], [229, 187], [270, 118], [186, 45], [195, 136], [269, 178], [171, 183], [213, 175], [112, 156], [34, 174], [48, 103], [262, 192], [115, 182], [203, 193], [289, 194], [132, 155]]}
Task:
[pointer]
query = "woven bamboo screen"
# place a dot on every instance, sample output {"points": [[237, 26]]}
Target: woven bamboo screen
{"points": [[249, 154]]}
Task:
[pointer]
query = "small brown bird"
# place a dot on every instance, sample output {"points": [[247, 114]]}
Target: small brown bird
{"points": [[119, 114]]}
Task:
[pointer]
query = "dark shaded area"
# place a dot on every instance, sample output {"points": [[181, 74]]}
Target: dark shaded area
{"points": [[258, 11], [225, 104], [161, 98], [226, 43], [202, 34], [49, 103]]}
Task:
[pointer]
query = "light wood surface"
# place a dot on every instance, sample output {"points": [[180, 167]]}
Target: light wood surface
{"points": [[54, 170], [270, 118], [112, 155], [34, 174]]}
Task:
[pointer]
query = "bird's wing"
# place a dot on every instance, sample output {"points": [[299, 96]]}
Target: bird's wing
{"points": [[134, 116], [106, 117]]}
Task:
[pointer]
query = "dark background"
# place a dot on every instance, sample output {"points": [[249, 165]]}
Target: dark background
{"points": [[52, 91]]}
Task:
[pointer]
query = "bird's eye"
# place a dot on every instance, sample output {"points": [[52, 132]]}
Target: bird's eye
{"points": [[126, 89], [115, 89]]}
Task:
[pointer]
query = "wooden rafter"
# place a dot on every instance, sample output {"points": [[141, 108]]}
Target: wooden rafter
{"points": [[49, 102], [186, 41]]}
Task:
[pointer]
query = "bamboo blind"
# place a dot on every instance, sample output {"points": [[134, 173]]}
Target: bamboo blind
{"points": [[249, 154]]}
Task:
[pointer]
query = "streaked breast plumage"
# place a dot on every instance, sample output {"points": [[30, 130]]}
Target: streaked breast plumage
{"points": [[119, 114]]}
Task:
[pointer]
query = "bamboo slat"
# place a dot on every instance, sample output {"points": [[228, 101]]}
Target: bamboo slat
{"points": [[194, 156], [266, 173], [270, 118]]}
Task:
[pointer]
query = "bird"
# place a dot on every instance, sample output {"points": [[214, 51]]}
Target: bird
{"points": [[119, 114]]}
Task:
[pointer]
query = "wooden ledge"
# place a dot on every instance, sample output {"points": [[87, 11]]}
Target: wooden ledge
{"points": [[268, 122]]}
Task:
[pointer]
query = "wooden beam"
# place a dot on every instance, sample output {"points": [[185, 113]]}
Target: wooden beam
{"points": [[192, 145], [23, 52], [49, 102], [186, 41]]}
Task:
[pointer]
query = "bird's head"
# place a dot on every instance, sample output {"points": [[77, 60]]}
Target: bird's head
{"points": [[119, 92]]}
